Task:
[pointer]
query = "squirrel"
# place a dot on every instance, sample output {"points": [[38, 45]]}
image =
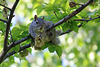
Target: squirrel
{"points": [[38, 31]]}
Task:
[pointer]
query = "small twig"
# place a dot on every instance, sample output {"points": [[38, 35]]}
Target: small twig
{"points": [[73, 4], [68, 31], [13, 52], [5, 7], [3, 20], [56, 15], [79, 4], [86, 20]]}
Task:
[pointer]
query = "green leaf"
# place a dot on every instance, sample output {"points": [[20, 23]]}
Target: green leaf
{"points": [[32, 19], [16, 48], [51, 48], [49, 7], [16, 32], [58, 50], [2, 26], [57, 1], [83, 13], [74, 26], [44, 47], [11, 59], [24, 33], [70, 25], [46, 44], [30, 50], [40, 9], [16, 55], [65, 27], [23, 27], [56, 7]]}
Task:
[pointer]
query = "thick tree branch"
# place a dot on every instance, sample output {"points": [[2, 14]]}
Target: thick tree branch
{"points": [[8, 24], [13, 52], [3, 20], [13, 44], [5, 7], [70, 15], [18, 42], [5, 50]]}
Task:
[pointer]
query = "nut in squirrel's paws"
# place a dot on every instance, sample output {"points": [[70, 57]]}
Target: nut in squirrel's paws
{"points": [[38, 43]]}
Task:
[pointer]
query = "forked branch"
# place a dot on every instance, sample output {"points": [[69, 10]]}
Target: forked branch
{"points": [[5, 49], [70, 15]]}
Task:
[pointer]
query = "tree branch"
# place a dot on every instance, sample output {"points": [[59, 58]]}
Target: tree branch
{"points": [[13, 52], [70, 15], [13, 44], [18, 42], [68, 31], [3, 20], [11, 36], [8, 24], [56, 15], [5, 49], [5, 7], [86, 20]]}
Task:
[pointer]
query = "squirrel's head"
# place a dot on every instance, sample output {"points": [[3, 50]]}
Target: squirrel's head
{"points": [[38, 23]]}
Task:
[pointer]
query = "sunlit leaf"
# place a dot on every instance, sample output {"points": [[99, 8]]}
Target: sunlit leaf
{"points": [[58, 50], [16, 32], [16, 48], [30, 50], [40, 9], [32, 19]]}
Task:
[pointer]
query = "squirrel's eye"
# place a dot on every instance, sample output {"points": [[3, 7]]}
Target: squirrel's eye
{"points": [[37, 22]]}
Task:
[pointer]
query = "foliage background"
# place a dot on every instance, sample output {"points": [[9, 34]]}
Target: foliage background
{"points": [[81, 48]]}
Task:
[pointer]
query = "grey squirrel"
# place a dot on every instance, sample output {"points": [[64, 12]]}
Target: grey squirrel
{"points": [[38, 31]]}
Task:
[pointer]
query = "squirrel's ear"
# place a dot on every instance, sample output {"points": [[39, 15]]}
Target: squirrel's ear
{"points": [[35, 17], [43, 18]]}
